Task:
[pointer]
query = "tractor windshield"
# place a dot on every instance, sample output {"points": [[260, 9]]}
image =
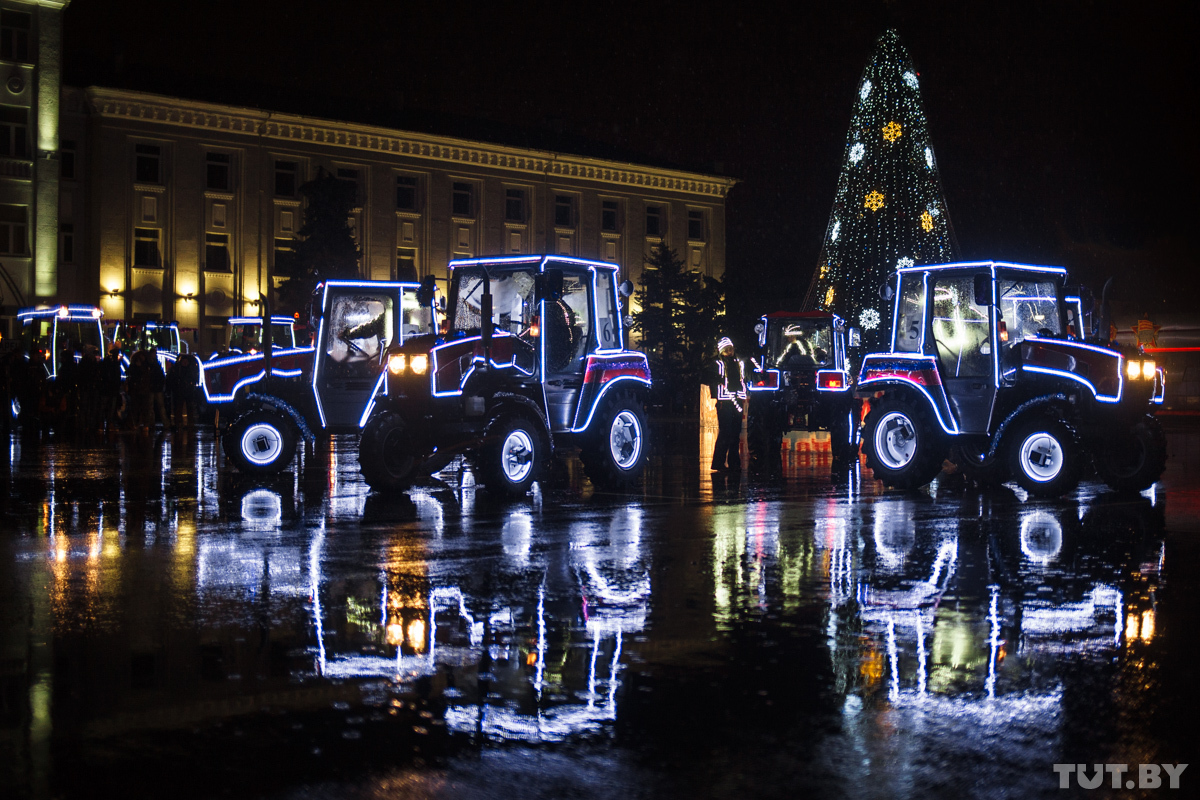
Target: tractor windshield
{"points": [[513, 305], [1029, 307], [796, 344]]}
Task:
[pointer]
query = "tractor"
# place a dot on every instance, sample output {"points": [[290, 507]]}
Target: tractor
{"points": [[989, 366]]}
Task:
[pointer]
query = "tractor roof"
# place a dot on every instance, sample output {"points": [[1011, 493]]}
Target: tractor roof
{"points": [[799, 315]]}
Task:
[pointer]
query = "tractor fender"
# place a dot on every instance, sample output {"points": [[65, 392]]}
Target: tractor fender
{"points": [[937, 404], [281, 406], [503, 403], [1023, 411]]}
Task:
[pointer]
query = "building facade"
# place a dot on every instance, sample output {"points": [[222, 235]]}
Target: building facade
{"points": [[162, 207]]}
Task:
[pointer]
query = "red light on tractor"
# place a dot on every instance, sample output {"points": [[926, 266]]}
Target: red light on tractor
{"points": [[1003, 333], [830, 380]]}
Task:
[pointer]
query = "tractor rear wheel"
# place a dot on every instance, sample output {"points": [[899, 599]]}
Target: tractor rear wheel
{"points": [[260, 442], [614, 452]]}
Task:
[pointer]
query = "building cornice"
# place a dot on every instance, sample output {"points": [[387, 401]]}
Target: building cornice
{"points": [[290, 128]]}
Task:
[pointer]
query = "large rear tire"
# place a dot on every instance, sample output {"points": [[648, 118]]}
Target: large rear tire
{"points": [[385, 454], [1133, 462], [512, 455], [1045, 457], [614, 453], [260, 442], [902, 445]]}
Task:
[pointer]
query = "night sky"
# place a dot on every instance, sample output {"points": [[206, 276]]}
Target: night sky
{"points": [[1064, 135]]}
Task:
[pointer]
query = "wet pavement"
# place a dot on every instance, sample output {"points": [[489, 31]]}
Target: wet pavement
{"points": [[171, 630]]}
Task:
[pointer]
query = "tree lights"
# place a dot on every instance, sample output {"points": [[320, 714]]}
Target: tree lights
{"points": [[888, 209]]}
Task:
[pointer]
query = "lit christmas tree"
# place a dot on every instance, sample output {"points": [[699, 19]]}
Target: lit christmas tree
{"points": [[889, 211]]}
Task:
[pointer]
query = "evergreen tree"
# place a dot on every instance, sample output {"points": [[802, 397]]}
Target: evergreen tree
{"points": [[679, 317], [325, 245], [888, 211]]}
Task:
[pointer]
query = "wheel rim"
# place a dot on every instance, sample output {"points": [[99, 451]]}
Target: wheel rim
{"points": [[262, 443], [895, 440], [516, 456], [1042, 456], [625, 439]]}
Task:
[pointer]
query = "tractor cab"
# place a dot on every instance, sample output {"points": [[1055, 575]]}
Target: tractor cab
{"points": [[54, 333], [162, 336], [360, 320]]}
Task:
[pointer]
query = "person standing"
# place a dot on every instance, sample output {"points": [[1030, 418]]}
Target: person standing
{"points": [[729, 391], [110, 388]]}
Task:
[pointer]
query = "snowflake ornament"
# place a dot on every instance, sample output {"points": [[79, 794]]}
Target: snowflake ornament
{"points": [[829, 297], [910, 79], [904, 263], [837, 226], [865, 90], [929, 157], [927, 221], [873, 201], [892, 131], [869, 319], [856, 152]]}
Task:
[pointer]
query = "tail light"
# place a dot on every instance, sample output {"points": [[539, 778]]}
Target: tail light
{"points": [[1003, 332]]}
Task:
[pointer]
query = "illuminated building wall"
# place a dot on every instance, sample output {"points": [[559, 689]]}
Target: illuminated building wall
{"points": [[30, 107], [187, 196], [888, 211]]}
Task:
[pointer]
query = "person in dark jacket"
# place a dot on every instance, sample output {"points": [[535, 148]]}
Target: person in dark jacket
{"points": [[138, 389], [729, 391], [110, 388], [158, 388]]}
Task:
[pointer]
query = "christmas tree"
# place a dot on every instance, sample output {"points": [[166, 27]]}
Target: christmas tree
{"points": [[889, 211]]}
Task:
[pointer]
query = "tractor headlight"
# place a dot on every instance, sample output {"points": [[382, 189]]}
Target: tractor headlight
{"points": [[396, 362], [1148, 370], [1133, 370], [419, 363]]}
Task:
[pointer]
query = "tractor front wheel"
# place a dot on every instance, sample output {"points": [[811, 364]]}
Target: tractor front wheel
{"points": [[902, 445]]}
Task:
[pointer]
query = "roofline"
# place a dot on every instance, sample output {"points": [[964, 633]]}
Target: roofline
{"points": [[276, 126]]}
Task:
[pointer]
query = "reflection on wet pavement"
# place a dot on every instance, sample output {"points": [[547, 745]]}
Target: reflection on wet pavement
{"points": [[170, 628]]}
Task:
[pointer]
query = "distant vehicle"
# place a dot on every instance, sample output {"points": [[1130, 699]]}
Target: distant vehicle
{"points": [[533, 359], [324, 388], [56, 329], [245, 335], [987, 361], [800, 380], [159, 334]]}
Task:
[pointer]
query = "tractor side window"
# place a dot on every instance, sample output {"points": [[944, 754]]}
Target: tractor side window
{"points": [[961, 329], [415, 318], [361, 326], [282, 337], [910, 314], [608, 321], [1029, 308], [568, 325]]}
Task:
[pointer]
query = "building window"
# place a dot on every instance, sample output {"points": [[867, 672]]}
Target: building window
{"points": [[462, 200], [66, 159], [655, 224], [148, 163], [514, 205], [350, 177], [284, 245], [66, 249], [145, 247], [406, 264], [564, 216], [696, 226], [14, 35], [216, 252], [217, 175], [13, 230], [14, 132], [285, 178], [608, 216], [406, 193]]}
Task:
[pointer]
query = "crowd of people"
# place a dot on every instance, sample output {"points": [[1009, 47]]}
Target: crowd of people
{"points": [[91, 394]]}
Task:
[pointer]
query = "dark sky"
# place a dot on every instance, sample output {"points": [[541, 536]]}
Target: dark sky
{"points": [[1064, 135]]}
